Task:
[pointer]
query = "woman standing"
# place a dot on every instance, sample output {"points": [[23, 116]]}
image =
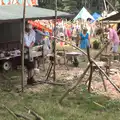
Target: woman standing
{"points": [[84, 39]]}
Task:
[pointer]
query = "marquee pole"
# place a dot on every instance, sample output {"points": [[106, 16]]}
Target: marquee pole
{"points": [[55, 34], [22, 51]]}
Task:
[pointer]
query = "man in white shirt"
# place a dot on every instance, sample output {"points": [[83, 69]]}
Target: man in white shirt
{"points": [[29, 40], [29, 37]]}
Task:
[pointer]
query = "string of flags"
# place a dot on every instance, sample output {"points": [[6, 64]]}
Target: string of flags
{"points": [[19, 2]]}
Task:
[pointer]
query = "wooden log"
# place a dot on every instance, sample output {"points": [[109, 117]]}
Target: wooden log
{"points": [[11, 112], [38, 117], [98, 104], [51, 83], [21, 116], [91, 70]]}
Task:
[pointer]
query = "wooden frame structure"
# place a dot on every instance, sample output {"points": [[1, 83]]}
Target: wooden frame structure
{"points": [[86, 70]]}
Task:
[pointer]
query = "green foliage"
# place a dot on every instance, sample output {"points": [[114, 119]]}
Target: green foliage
{"points": [[64, 5], [51, 4], [74, 6], [70, 5], [96, 44]]}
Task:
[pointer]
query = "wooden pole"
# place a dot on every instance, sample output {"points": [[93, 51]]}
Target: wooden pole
{"points": [[55, 33], [111, 5], [22, 51], [91, 70], [105, 6]]}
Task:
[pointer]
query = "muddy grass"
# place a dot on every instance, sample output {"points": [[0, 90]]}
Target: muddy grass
{"points": [[78, 105]]}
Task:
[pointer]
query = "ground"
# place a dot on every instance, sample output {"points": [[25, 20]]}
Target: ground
{"points": [[77, 106], [43, 99]]}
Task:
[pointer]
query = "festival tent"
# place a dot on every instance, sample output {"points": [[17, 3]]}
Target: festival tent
{"points": [[84, 14], [96, 16], [15, 12], [11, 19]]}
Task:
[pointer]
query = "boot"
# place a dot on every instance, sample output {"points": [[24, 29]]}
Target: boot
{"points": [[31, 81]]}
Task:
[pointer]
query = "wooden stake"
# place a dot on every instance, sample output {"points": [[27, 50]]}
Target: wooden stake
{"points": [[22, 51], [103, 81], [91, 70]]}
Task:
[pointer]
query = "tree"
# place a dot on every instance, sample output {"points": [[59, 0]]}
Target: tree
{"points": [[70, 5], [50, 4], [74, 6]]}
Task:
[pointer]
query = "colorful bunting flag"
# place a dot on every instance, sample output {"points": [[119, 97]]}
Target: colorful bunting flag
{"points": [[19, 2]]}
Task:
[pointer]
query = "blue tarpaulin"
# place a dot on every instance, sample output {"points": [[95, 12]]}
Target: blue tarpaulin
{"points": [[96, 16]]}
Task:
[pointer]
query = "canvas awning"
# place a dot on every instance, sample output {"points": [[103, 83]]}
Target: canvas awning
{"points": [[15, 12], [113, 17]]}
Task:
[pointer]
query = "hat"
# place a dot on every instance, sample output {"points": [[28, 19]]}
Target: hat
{"points": [[29, 26], [85, 29]]}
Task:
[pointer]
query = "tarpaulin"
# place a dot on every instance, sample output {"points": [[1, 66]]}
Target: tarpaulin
{"points": [[96, 16]]}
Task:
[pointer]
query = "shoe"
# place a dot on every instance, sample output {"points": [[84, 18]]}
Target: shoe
{"points": [[31, 81]]}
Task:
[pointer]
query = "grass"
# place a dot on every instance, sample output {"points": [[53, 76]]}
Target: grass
{"points": [[79, 105]]}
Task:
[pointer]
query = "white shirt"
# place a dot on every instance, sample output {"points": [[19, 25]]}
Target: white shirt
{"points": [[29, 38]]}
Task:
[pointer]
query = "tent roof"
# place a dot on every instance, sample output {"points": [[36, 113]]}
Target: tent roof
{"points": [[113, 16], [96, 16], [15, 12], [83, 14]]}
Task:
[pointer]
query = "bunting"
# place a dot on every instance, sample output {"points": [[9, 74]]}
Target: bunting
{"points": [[19, 2]]}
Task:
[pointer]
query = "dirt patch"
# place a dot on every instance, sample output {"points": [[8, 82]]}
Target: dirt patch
{"points": [[111, 91]]}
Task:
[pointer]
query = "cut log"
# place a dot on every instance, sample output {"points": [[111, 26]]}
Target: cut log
{"points": [[11, 112], [38, 117]]}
